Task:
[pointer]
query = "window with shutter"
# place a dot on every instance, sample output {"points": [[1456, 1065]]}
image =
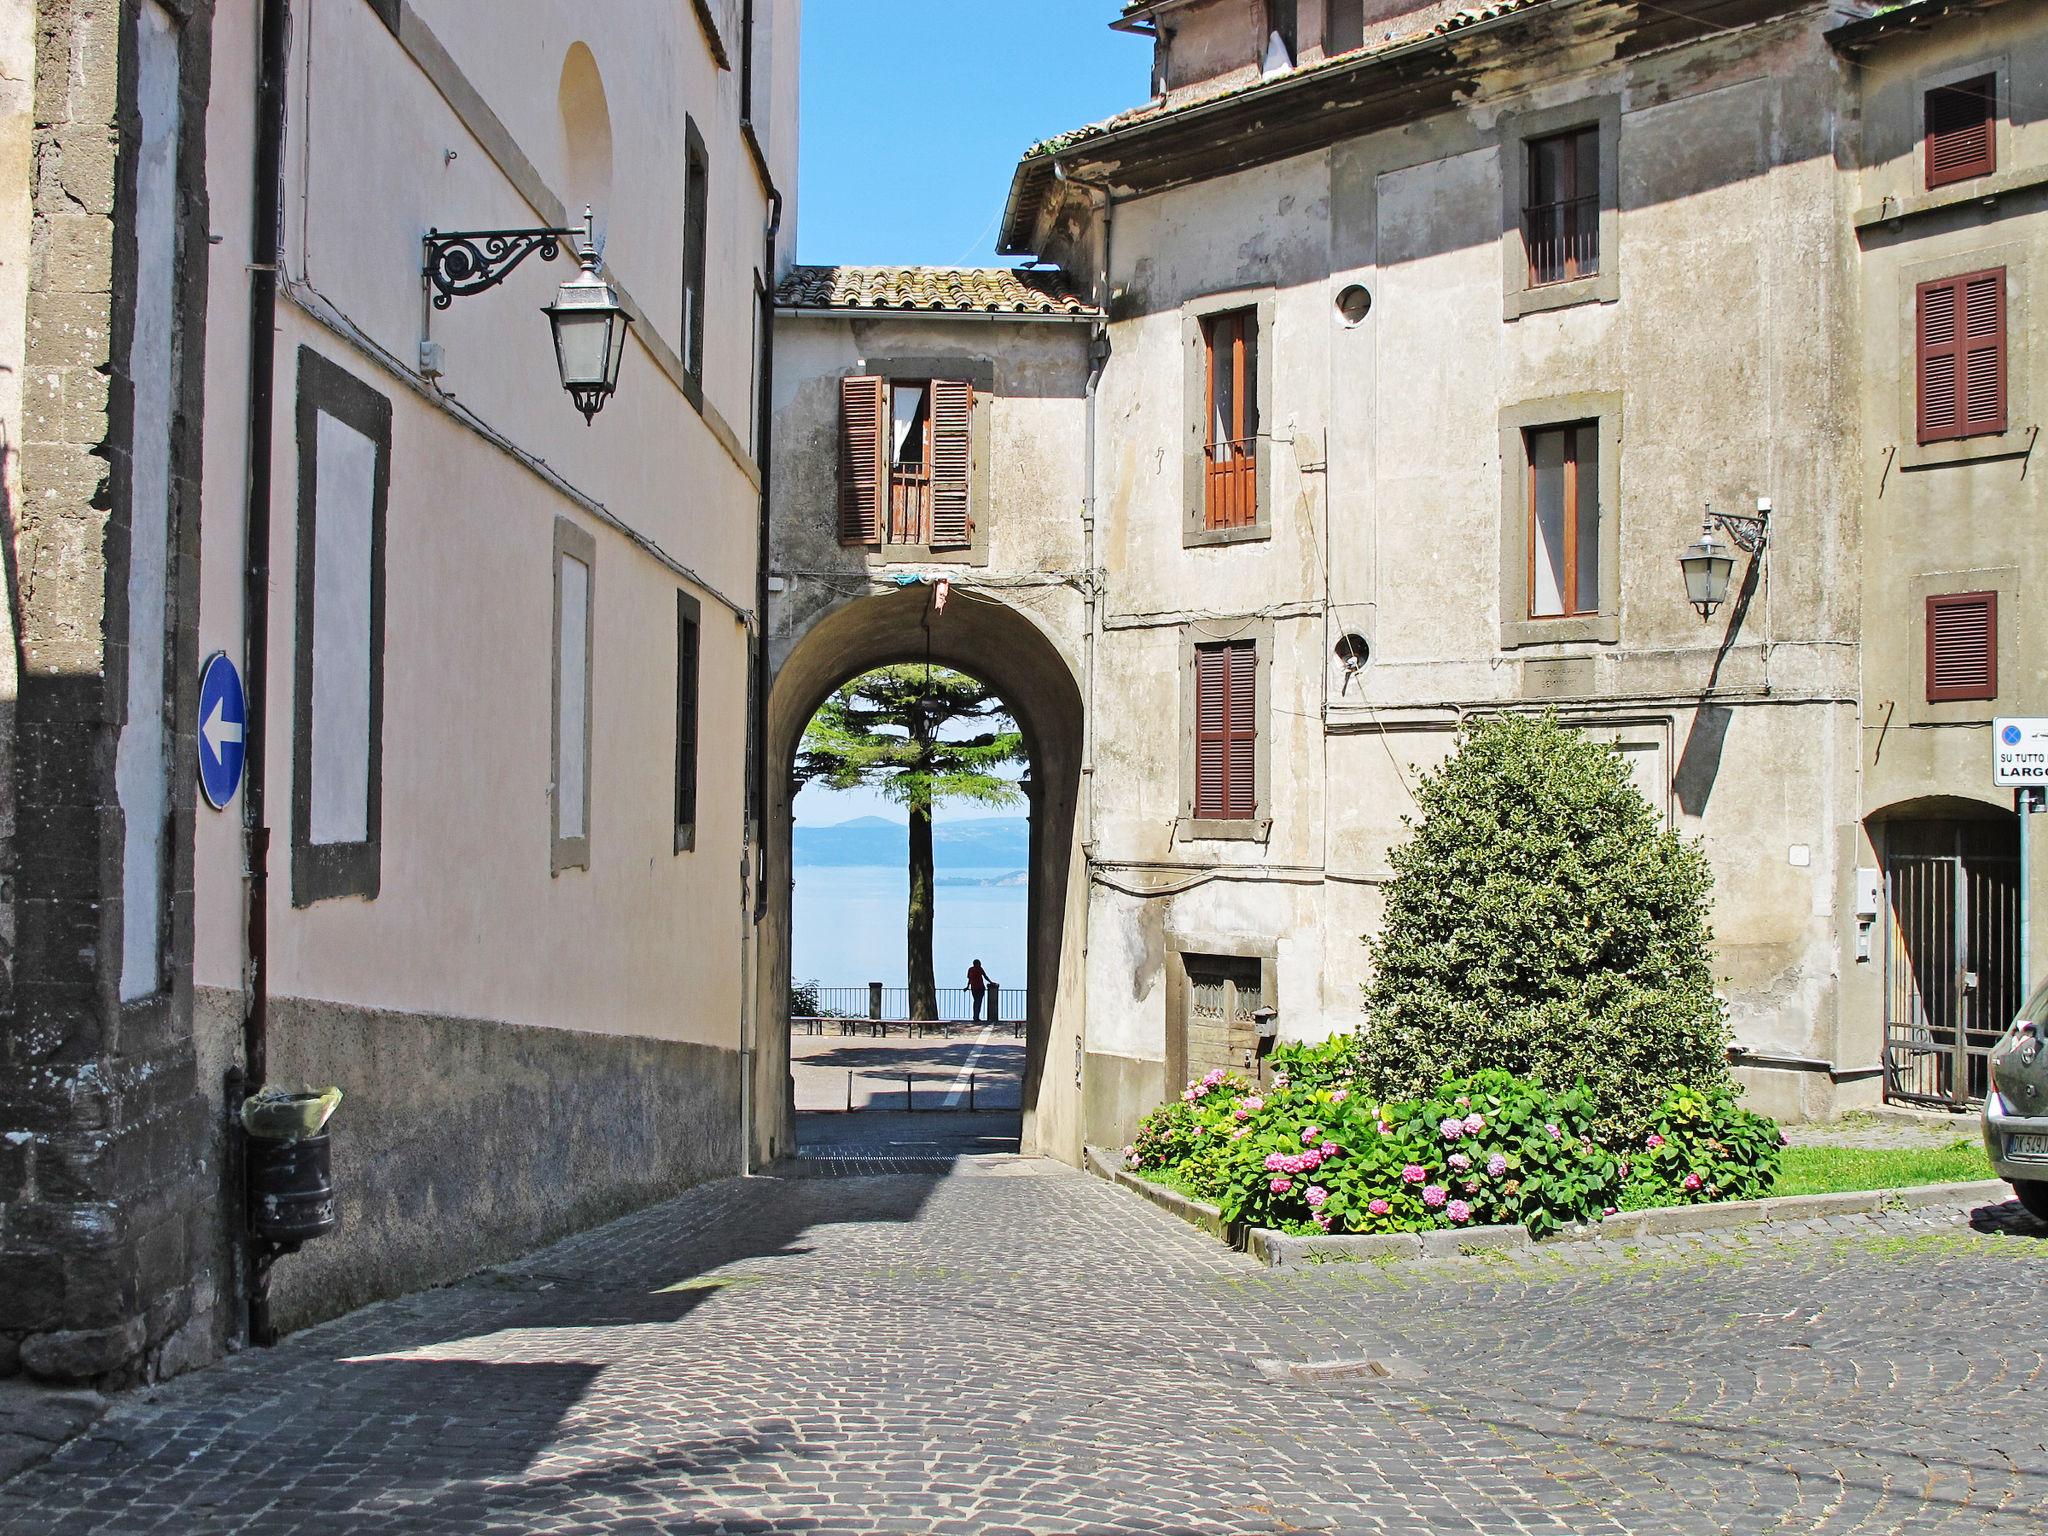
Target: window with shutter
{"points": [[863, 467], [1962, 646], [1960, 121], [689, 644], [952, 463], [1564, 520], [1226, 731], [1961, 356], [1230, 445]]}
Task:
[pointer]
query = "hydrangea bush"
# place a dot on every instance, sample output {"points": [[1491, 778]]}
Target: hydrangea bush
{"points": [[1314, 1153]]}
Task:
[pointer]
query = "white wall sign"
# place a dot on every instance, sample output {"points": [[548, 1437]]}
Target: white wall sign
{"points": [[2019, 751]]}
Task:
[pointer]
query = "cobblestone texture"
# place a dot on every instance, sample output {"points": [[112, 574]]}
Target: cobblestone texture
{"points": [[1008, 1346]]}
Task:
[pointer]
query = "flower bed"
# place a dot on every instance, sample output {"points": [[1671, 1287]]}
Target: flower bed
{"points": [[1312, 1154]]}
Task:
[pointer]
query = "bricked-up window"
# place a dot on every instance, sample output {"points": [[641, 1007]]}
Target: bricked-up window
{"points": [[906, 462], [1343, 25], [575, 610], [1561, 206], [696, 220], [1960, 119], [1231, 446], [1226, 731], [1961, 363], [689, 647], [1962, 646], [1564, 520], [338, 695]]}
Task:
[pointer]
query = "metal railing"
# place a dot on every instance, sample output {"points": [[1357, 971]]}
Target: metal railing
{"points": [[876, 1004], [910, 503], [1563, 239]]}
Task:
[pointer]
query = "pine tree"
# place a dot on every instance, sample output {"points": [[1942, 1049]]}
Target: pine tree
{"points": [[900, 730]]}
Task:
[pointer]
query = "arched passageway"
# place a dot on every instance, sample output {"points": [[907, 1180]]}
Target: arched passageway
{"points": [[1004, 647]]}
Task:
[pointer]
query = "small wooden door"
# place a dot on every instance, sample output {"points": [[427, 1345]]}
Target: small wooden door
{"points": [[1224, 995]]}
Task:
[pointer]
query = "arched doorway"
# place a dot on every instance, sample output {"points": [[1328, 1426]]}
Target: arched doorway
{"points": [[1006, 648], [1952, 966]]}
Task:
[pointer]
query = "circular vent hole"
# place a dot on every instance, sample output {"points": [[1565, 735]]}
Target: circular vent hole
{"points": [[1353, 651], [1354, 303]]}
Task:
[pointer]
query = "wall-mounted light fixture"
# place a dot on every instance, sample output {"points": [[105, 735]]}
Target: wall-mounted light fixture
{"points": [[588, 321], [1707, 564]]}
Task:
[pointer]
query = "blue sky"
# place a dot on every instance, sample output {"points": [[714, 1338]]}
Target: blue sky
{"points": [[915, 112]]}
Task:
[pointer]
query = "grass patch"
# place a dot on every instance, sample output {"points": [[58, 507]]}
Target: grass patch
{"points": [[1169, 1178], [1831, 1170]]}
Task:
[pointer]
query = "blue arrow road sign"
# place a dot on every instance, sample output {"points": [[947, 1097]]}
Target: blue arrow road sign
{"points": [[223, 715]]}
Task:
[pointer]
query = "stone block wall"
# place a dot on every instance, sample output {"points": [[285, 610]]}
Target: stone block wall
{"points": [[109, 1210]]}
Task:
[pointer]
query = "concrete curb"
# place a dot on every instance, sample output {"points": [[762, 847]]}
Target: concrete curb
{"points": [[1280, 1250]]}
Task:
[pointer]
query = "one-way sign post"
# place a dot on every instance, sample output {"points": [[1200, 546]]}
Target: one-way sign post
{"points": [[2019, 762], [223, 715]]}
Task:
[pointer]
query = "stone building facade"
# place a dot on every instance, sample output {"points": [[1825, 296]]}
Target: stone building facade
{"points": [[1426, 346], [499, 880]]}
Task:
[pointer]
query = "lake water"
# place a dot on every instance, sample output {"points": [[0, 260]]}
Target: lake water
{"points": [[849, 926]]}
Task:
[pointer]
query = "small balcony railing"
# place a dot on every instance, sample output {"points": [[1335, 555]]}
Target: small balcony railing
{"points": [[1563, 239], [910, 504]]}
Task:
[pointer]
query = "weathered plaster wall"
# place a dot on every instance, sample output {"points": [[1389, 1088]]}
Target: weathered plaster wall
{"points": [[1981, 494]]}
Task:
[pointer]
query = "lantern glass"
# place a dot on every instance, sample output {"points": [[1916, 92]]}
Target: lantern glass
{"points": [[1707, 566], [590, 337]]}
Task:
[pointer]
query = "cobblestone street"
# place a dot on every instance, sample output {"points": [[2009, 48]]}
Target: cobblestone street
{"points": [[991, 1343]]}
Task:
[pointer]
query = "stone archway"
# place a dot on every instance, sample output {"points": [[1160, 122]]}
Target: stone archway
{"points": [[1007, 649]]}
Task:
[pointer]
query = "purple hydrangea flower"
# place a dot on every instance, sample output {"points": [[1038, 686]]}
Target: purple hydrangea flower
{"points": [[1451, 1130], [1496, 1165], [1433, 1195], [1460, 1161], [1459, 1211], [1474, 1123]]}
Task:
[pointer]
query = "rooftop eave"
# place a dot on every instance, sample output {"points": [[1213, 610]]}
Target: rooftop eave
{"points": [[1868, 31], [1351, 95], [1002, 316]]}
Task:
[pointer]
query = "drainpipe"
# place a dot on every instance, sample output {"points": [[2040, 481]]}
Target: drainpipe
{"points": [[750, 979], [266, 205]]}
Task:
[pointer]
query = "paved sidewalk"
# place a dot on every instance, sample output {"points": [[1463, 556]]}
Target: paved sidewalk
{"points": [[997, 1344]]}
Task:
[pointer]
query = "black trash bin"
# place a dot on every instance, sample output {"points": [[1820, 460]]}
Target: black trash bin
{"points": [[291, 1190]]}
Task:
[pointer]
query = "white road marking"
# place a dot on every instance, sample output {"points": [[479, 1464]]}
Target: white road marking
{"points": [[959, 1088]]}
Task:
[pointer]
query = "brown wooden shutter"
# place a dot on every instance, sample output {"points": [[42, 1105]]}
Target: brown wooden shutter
{"points": [[1243, 798], [863, 461], [1960, 142], [952, 406], [1226, 731], [1962, 646], [1961, 356]]}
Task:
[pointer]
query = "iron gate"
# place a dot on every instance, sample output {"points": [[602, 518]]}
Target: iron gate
{"points": [[1952, 972]]}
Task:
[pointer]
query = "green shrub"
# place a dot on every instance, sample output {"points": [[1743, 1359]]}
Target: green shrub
{"points": [[1702, 1146], [1542, 920], [1315, 1064], [804, 1002], [1169, 1135]]}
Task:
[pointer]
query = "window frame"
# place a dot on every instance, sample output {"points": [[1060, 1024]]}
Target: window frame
{"points": [[696, 260], [1986, 598], [1520, 130], [1984, 165], [1196, 316], [689, 715], [1531, 148], [1569, 594], [1602, 411], [571, 542], [1195, 636], [324, 871], [979, 375]]}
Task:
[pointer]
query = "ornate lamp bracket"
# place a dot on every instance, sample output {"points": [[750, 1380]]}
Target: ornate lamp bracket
{"points": [[461, 262], [1748, 534]]}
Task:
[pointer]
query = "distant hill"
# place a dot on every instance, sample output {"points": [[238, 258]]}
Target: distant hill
{"points": [[987, 842]]}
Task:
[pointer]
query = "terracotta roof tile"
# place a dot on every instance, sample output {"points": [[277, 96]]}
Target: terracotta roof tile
{"points": [[945, 290]]}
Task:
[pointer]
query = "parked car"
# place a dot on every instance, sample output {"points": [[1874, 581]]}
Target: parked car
{"points": [[2016, 1107]]}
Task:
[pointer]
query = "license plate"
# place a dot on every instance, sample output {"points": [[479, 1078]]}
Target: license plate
{"points": [[2020, 1145]]}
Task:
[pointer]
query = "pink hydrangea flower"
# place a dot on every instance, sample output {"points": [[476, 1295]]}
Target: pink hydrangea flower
{"points": [[1459, 1211], [1316, 1195], [1378, 1207], [1692, 1182], [1654, 1142], [1240, 1133], [1471, 1186], [1281, 1186], [1329, 1149], [1433, 1195], [1386, 1129], [1497, 1165], [1625, 1170], [1474, 1123], [1322, 1221], [1274, 1161], [1254, 1103], [1310, 1135], [1188, 1095], [1553, 1130], [1784, 1137], [1212, 1077], [1451, 1130], [1463, 1102], [1242, 1113], [1279, 1079], [1414, 1173], [1339, 1095], [1460, 1161]]}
